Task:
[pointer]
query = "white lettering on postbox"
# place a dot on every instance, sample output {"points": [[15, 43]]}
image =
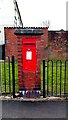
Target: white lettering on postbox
{"points": [[29, 55]]}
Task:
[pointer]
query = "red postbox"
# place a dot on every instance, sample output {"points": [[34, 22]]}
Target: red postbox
{"points": [[29, 54], [29, 61]]}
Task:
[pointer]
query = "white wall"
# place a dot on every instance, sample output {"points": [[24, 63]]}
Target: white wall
{"points": [[2, 40]]}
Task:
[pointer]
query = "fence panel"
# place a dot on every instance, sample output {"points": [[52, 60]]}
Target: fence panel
{"points": [[9, 76], [55, 78], [54, 75]]}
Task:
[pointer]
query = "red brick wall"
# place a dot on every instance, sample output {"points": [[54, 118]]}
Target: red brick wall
{"points": [[11, 42], [54, 44], [44, 44], [58, 45]]}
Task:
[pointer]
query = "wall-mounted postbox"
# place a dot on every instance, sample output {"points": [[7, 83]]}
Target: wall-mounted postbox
{"points": [[29, 61], [29, 54]]}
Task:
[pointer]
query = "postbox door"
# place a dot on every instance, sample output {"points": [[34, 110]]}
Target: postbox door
{"points": [[29, 54]]}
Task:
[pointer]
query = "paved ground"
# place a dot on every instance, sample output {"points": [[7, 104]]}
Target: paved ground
{"points": [[0, 110], [28, 109]]}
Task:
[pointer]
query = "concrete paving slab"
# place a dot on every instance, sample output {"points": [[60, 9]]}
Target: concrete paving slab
{"points": [[28, 109], [0, 109]]}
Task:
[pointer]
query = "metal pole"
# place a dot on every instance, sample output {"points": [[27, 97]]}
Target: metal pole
{"points": [[13, 76], [44, 79], [65, 80], [5, 75], [52, 78], [60, 76], [56, 78], [9, 74], [47, 78]]}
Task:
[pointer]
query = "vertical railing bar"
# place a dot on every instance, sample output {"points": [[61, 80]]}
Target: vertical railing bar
{"points": [[5, 76], [1, 76], [56, 78], [0, 79], [67, 75], [14, 70], [47, 78], [52, 78], [65, 80], [13, 76], [9, 74], [16, 73], [60, 75], [44, 93]]}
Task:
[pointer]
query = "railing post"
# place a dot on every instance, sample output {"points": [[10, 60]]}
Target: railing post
{"points": [[56, 78], [44, 79], [5, 75], [47, 77], [65, 80], [60, 76], [9, 74], [13, 76], [52, 78], [0, 77]]}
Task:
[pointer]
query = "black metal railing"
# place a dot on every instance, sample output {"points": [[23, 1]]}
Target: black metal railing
{"points": [[54, 75], [9, 76], [55, 78]]}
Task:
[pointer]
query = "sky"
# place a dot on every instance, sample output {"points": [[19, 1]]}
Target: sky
{"points": [[6, 12], [36, 12]]}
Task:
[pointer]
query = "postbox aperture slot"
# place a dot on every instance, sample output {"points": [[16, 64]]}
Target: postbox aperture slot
{"points": [[29, 43]]}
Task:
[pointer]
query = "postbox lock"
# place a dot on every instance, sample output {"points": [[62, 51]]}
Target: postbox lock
{"points": [[28, 49]]}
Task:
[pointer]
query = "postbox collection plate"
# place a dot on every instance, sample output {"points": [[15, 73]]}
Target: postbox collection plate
{"points": [[29, 54]]}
